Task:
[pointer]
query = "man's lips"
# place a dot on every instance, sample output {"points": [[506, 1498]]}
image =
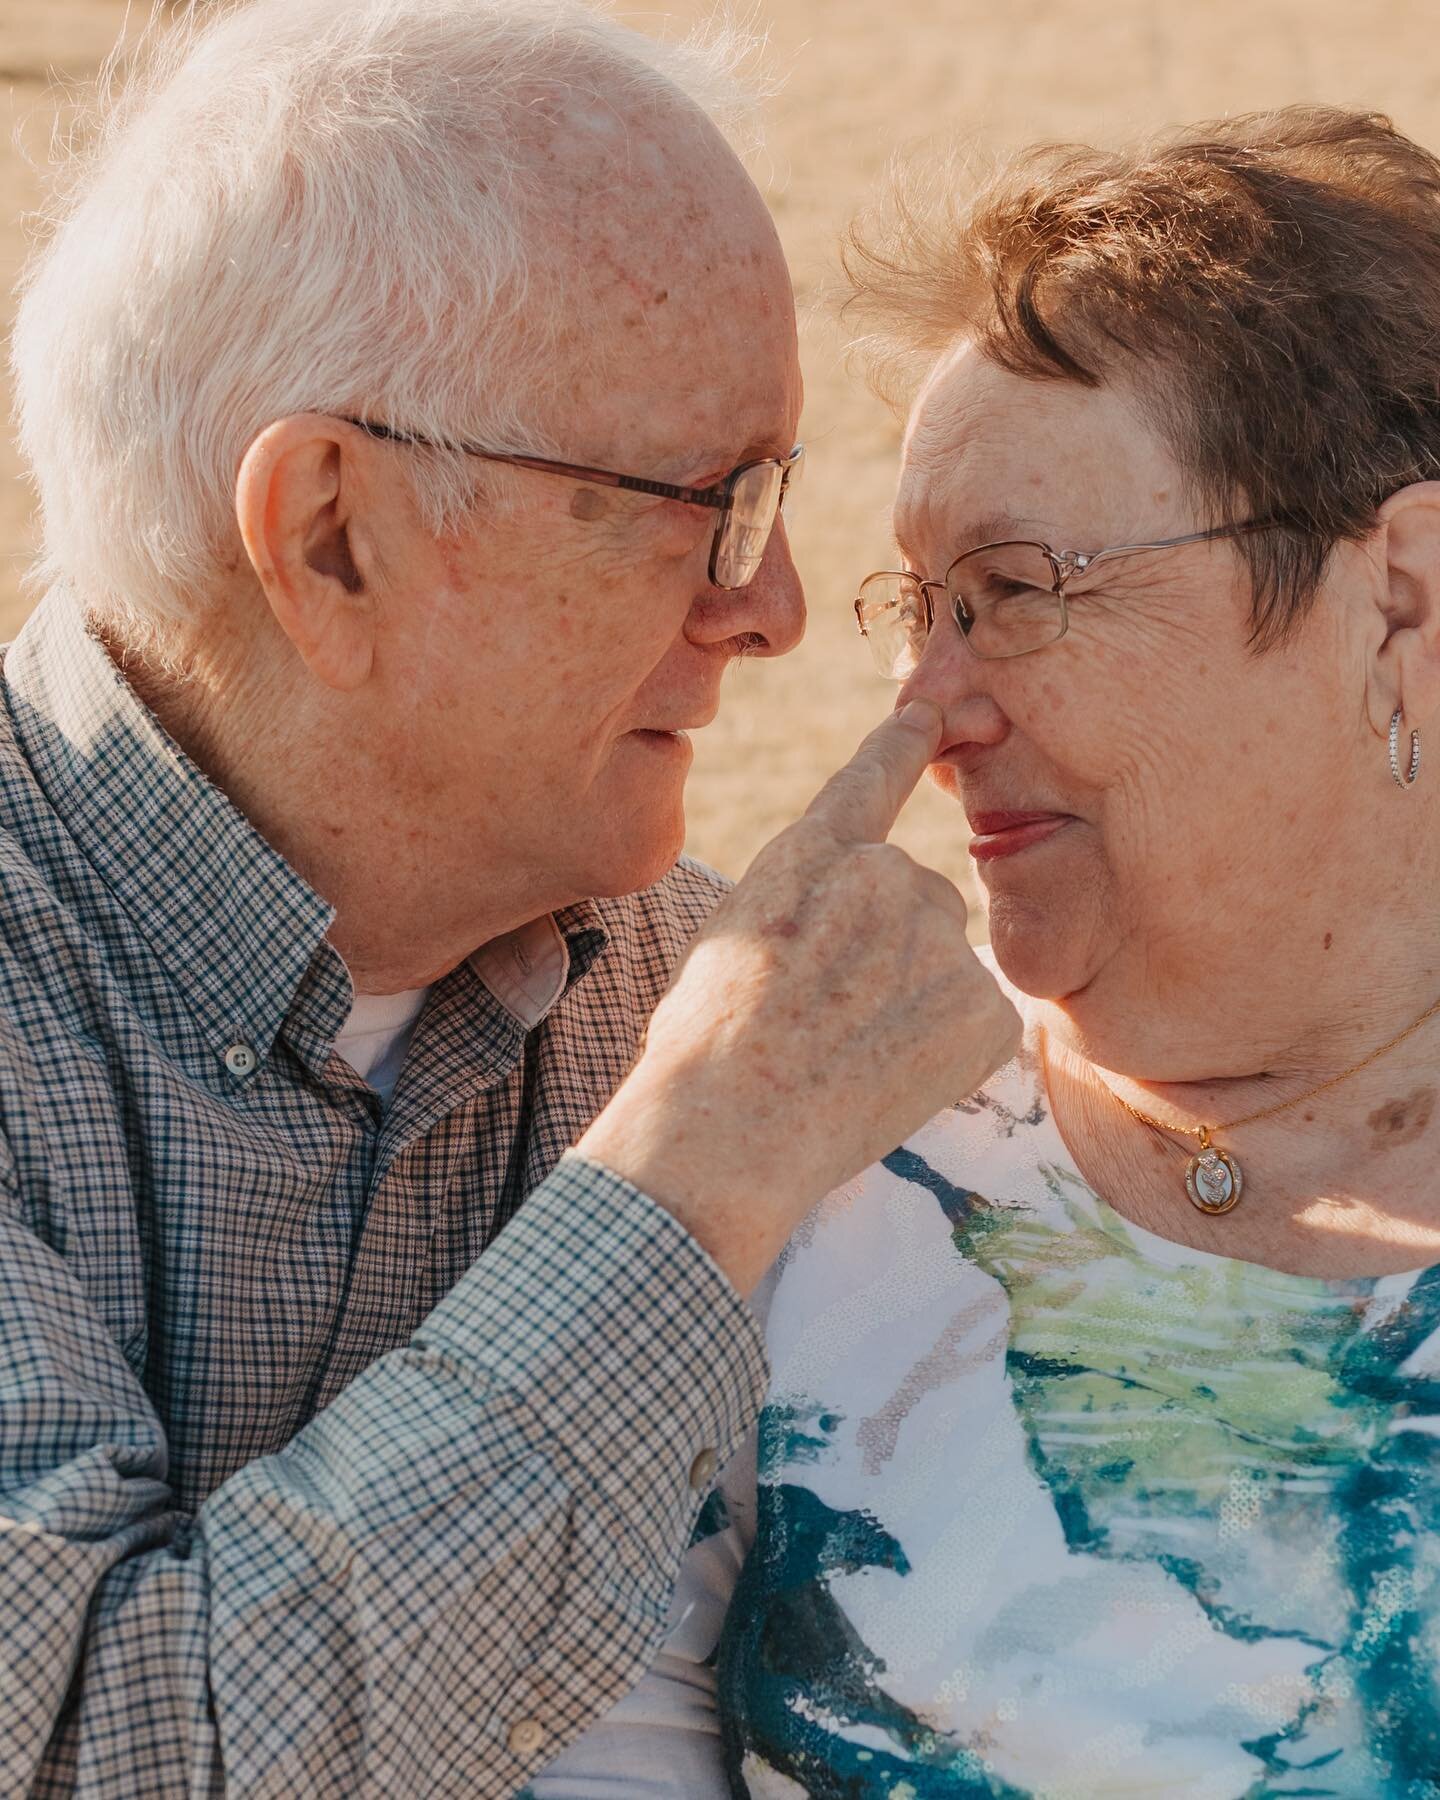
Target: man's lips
{"points": [[670, 741], [703, 716], [1006, 833]]}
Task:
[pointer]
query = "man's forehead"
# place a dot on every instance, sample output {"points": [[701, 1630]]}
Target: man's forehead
{"points": [[707, 335], [598, 163], [678, 337]]}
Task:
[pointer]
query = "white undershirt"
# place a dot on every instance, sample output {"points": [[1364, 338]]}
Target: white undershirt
{"points": [[526, 970], [375, 1038]]}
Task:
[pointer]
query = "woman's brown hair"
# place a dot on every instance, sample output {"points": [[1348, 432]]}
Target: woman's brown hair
{"points": [[1270, 285]]}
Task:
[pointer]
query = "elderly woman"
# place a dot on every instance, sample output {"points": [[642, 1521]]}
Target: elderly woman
{"points": [[1103, 1450]]}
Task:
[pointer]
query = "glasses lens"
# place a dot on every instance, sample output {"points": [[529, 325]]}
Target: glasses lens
{"points": [[892, 614], [744, 531], [1004, 599]]}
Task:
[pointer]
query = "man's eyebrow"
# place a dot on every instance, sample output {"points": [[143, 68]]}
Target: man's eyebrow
{"points": [[759, 450]]}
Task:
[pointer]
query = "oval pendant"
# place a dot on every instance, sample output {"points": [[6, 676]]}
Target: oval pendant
{"points": [[1213, 1180]]}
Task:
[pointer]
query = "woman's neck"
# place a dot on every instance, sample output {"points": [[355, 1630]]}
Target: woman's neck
{"points": [[1336, 1182]]}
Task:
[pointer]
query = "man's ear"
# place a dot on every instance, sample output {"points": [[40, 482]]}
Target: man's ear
{"points": [[1405, 669], [296, 503]]}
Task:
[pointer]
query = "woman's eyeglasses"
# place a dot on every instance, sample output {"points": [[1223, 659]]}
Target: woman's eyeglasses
{"points": [[1008, 598]]}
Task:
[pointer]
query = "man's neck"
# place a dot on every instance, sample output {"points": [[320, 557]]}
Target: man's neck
{"points": [[300, 765]]}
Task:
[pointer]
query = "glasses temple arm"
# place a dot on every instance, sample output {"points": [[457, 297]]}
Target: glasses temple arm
{"points": [[718, 498]]}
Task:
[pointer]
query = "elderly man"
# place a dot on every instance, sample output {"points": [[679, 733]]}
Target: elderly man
{"points": [[341, 771]]}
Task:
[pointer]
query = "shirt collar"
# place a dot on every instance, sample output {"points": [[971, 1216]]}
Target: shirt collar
{"points": [[230, 921], [529, 971]]}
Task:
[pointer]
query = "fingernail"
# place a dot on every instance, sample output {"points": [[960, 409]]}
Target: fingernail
{"points": [[919, 713]]}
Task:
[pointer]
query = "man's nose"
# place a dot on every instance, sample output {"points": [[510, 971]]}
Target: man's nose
{"points": [[769, 612]]}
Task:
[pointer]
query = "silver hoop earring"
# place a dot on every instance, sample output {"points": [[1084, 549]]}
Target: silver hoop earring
{"points": [[1402, 780]]}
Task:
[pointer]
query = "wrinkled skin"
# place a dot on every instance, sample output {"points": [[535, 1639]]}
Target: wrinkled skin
{"points": [[1240, 906], [442, 734]]}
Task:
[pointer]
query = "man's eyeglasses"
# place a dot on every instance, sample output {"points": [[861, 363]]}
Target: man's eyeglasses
{"points": [[748, 499], [1008, 598]]}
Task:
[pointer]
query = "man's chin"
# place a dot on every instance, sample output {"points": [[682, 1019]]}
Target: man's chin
{"points": [[646, 855]]}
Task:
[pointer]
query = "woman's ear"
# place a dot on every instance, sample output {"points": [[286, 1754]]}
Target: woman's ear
{"points": [[1405, 669], [298, 505]]}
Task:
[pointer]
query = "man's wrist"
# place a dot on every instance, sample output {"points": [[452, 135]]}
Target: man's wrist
{"points": [[692, 1159]]}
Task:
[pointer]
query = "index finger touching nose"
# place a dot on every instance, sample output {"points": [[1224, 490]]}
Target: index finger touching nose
{"points": [[861, 802]]}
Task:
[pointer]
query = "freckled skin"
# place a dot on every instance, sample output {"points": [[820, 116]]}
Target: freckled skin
{"points": [[588, 503], [507, 695], [587, 614]]}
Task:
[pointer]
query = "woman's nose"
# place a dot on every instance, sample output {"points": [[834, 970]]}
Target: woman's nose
{"points": [[958, 683]]}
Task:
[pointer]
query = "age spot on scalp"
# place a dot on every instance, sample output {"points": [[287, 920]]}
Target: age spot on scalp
{"points": [[1329, 939], [1402, 1120]]}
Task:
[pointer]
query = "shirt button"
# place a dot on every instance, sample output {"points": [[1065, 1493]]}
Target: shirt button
{"points": [[526, 1737], [240, 1060], [702, 1470]]}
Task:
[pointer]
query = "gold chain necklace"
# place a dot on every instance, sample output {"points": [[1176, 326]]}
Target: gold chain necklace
{"points": [[1214, 1180]]}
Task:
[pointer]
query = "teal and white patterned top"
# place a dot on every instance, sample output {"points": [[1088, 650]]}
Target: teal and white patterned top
{"points": [[1049, 1506]]}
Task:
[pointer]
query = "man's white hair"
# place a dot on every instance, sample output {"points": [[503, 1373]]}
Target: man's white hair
{"points": [[304, 205]]}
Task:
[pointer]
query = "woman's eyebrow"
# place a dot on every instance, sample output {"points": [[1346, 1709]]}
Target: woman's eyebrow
{"points": [[994, 528]]}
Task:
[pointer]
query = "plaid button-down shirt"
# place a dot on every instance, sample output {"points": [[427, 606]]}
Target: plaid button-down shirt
{"points": [[313, 1479]]}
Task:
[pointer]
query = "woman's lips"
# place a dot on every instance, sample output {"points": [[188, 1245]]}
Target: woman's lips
{"points": [[1000, 834]]}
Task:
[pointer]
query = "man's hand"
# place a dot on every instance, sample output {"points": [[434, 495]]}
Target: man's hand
{"points": [[830, 1006]]}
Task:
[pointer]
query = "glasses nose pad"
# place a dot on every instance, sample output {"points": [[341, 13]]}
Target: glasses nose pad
{"points": [[923, 616]]}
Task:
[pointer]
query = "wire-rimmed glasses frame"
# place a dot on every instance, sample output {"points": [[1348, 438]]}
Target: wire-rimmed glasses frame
{"points": [[748, 499], [1065, 565]]}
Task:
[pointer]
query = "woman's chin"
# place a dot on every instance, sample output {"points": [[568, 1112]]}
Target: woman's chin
{"points": [[1036, 950]]}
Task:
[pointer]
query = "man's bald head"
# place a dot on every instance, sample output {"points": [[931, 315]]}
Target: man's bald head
{"points": [[452, 214], [665, 267]]}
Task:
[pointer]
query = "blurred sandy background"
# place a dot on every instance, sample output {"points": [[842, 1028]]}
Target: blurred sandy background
{"points": [[860, 77]]}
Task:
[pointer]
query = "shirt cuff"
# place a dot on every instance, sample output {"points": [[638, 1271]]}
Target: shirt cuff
{"points": [[639, 1362]]}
